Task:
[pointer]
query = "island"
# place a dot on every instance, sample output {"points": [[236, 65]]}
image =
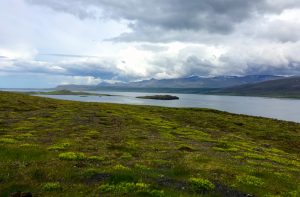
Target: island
{"points": [[68, 92], [159, 97]]}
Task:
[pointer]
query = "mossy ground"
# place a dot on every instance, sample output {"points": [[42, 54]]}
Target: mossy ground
{"points": [[65, 148]]}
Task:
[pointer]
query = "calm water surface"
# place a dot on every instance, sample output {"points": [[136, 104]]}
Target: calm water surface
{"points": [[283, 109]]}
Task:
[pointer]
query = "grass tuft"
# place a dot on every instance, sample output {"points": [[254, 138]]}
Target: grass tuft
{"points": [[52, 186], [71, 156]]}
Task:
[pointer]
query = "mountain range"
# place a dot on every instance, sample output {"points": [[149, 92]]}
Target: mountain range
{"points": [[286, 87], [192, 82], [249, 85]]}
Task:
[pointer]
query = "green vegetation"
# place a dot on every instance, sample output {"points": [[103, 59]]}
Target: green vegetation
{"points": [[64, 148], [52, 187], [71, 156], [67, 92], [199, 184], [130, 188], [159, 97], [250, 180]]}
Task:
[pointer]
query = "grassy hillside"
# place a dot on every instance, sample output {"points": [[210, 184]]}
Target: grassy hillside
{"points": [[283, 88], [65, 148]]}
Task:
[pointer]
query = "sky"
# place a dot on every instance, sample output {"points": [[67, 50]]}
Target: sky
{"points": [[45, 43]]}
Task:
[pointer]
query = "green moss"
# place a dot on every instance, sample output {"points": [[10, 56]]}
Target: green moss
{"points": [[52, 186], [131, 188], [120, 167], [254, 156], [200, 184], [96, 158], [29, 145], [126, 156], [92, 134], [61, 146], [89, 172], [250, 180], [25, 135], [8, 140], [225, 149], [71, 156]]}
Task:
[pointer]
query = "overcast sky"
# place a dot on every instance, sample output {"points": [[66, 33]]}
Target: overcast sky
{"points": [[44, 43]]}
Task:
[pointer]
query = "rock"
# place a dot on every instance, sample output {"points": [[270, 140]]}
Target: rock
{"points": [[258, 149], [185, 148], [15, 194], [99, 177], [266, 145], [21, 194], [26, 194]]}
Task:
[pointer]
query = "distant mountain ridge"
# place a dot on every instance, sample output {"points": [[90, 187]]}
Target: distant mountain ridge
{"points": [[196, 82], [187, 82], [285, 88]]}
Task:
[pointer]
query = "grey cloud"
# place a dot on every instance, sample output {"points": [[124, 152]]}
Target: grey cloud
{"points": [[290, 69], [232, 24], [103, 69], [213, 16], [180, 66], [282, 31], [77, 7], [68, 55]]}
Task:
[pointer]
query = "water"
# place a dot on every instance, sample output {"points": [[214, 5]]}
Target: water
{"points": [[283, 109]]}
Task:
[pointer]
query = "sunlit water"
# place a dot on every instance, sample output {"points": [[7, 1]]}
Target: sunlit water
{"points": [[283, 109]]}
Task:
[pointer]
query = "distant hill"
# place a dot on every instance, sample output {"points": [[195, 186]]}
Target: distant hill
{"points": [[180, 83], [196, 82], [285, 87]]}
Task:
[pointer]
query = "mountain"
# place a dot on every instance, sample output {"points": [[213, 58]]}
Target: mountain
{"points": [[285, 87], [197, 82], [187, 82]]}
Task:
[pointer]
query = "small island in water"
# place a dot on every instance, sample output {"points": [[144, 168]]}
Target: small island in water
{"points": [[159, 97], [68, 92]]}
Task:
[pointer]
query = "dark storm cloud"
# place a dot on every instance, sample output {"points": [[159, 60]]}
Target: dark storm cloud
{"points": [[216, 16], [244, 36]]}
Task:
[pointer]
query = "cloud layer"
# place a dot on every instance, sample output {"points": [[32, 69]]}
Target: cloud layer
{"points": [[131, 40]]}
